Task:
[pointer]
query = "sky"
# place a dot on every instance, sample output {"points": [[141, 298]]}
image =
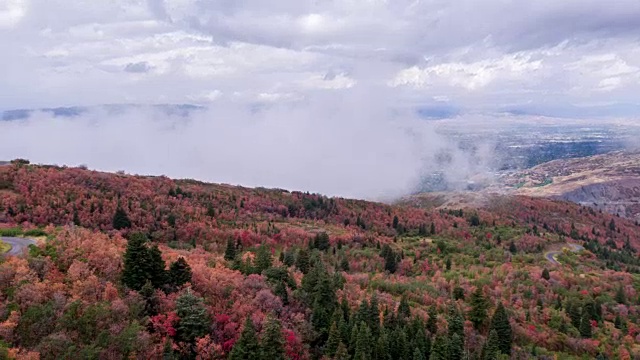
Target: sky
{"points": [[294, 87]]}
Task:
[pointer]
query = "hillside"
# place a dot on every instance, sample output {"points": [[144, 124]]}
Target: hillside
{"points": [[610, 182], [267, 272]]}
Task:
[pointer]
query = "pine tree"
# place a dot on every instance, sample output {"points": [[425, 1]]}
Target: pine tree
{"points": [[302, 261], [432, 322], [404, 311], [247, 347], [342, 353], [545, 274], [321, 241], [573, 310], [585, 325], [263, 259], [382, 351], [156, 272], [448, 264], [363, 343], [390, 261], [194, 319], [76, 218], [491, 350], [272, 344], [373, 316], [620, 297], [417, 354], [121, 220], [455, 324], [179, 272], [136, 259], [324, 303], [500, 323], [151, 302], [479, 307], [230, 251], [512, 248], [344, 264], [440, 349], [333, 342], [458, 293], [456, 347]]}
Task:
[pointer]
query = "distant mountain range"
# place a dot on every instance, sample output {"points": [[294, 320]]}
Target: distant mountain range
{"points": [[73, 111]]}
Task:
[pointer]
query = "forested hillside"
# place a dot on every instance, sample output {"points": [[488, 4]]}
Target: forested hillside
{"points": [[154, 268]]}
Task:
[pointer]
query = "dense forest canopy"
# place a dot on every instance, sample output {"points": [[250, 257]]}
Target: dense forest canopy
{"points": [[154, 268]]}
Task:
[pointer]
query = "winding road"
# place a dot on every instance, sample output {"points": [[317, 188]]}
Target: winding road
{"points": [[18, 245], [551, 255]]}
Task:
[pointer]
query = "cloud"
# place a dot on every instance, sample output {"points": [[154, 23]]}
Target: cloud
{"points": [[547, 52], [353, 147], [295, 79]]}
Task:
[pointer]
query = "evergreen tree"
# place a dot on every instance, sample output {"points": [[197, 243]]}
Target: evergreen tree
{"points": [[500, 323], [272, 344], [324, 304], [342, 353], [289, 258], [156, 272], [76, 218], [512, 248], [363, 343], [395, 222], [432, 322], [458, 293], [230, 251], [194, 319], [321, 242], [136, 259], [179, 272], [382, 351], [585, 325], [247, 347], [263, 259], [121, 220], [333, 341], [479, 307], [404, 311], [491, 348], [620, 297], [573, 310], [373, 316], [440, 349], [456, 347], [344, 264], [448, 264], [545, 274], [151, 302], [302, 261], [417, 354], [390, 261], [455, 324]]}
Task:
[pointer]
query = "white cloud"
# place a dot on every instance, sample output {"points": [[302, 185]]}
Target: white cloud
{"points": [[11, 12], [307, 55]]}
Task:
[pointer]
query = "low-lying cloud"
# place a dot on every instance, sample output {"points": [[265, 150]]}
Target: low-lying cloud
{"points": [[351, 144]]}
